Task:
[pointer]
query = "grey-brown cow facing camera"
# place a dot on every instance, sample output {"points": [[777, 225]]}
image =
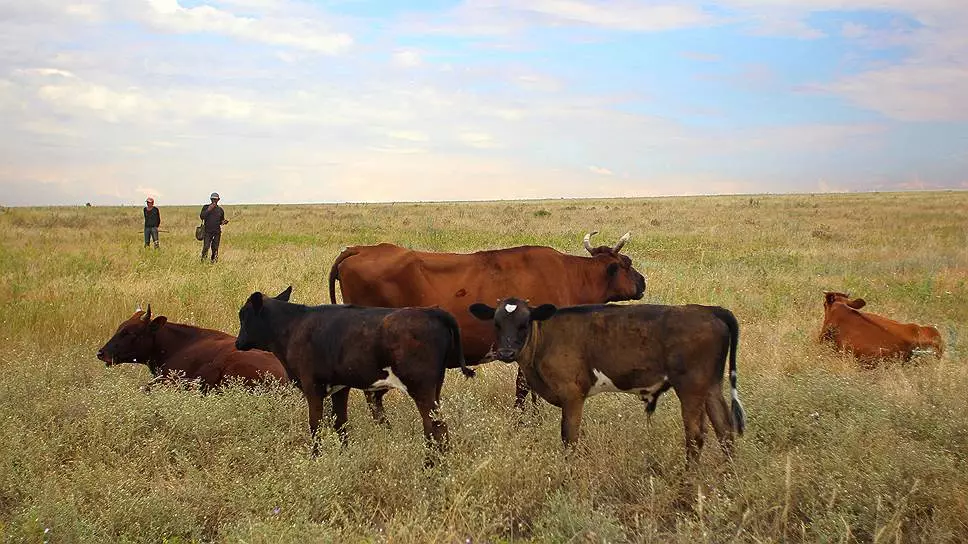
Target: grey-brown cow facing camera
{"points": [[570, 354]]}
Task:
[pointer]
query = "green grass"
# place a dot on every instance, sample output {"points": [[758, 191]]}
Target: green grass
{"points": [[832, 452]]}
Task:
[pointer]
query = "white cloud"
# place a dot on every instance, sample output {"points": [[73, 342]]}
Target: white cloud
{"points": [[305, 34], [617, 14], [910, 91], [600, 170], [783, 26], [408, 135], [479, 140], [407, 58]]}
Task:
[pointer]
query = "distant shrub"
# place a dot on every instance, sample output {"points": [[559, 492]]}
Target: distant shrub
{"points": [[542, 213], [822, 232]]}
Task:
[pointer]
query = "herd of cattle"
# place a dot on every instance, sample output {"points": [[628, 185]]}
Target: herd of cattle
{"points": [[408, 316]]}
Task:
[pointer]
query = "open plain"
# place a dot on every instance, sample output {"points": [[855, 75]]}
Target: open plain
{"points": [[832, 451]]}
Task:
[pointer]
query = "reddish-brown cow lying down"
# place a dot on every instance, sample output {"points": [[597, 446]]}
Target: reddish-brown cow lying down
{"points": [[170, 349], [871, 336]]}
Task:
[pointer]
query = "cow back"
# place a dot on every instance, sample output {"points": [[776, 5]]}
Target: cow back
{"points": [[395, 277]]}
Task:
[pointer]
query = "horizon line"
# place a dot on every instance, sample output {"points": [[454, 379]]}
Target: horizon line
{"points": [[498, 200]]}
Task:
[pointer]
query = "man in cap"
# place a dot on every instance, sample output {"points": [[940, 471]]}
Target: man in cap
{"points": [[152, 221], [214, 217]]}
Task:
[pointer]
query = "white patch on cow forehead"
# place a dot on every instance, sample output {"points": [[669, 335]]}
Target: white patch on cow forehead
{"points": [[509, 308], [391, 381]]}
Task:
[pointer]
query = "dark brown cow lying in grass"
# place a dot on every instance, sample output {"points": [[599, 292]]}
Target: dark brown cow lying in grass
{"points": [[173, 350], [329, 349], [570, 354], [871, 336]]}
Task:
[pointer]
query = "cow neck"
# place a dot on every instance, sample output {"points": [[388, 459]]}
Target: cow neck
{"points": [[589, 276], [529, 351], [168, 339], [864, 316], [283, 317]]}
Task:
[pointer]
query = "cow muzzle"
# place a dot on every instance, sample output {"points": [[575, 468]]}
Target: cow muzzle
{"points": [[102, 355], [640, 288], [507, 355]]}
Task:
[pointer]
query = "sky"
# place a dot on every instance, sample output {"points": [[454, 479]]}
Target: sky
{"points": [[287, 101]]}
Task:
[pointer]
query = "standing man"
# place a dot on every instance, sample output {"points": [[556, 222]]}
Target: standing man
{"points": [[152, 221], [214, 217]]}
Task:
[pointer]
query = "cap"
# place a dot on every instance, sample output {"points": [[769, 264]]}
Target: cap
{"points": [[214, 195], [150, 200]]}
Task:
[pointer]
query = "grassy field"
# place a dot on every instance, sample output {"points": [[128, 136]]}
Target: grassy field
{"points": [[832, 452]]}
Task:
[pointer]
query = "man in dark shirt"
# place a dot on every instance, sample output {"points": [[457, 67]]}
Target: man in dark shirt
{"points": [[214, 217], [152, 221]]}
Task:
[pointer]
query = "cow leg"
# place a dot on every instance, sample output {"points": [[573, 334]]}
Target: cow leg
{"points": [[718, 412], [340, 402], [315, 402], [521, 390], [571, 411], [374, 399], [693, 414], [435, 430]]}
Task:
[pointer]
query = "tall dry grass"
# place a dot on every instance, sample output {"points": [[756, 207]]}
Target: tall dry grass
{"points": [[832, 452]]}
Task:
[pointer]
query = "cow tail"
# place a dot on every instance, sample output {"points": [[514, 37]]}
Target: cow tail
{"points": [[456, 352], [738, 414], [334, 271]]}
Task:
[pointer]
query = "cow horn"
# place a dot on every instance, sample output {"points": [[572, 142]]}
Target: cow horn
{"points": [[147, 316], [587, 242], [621, 242]]}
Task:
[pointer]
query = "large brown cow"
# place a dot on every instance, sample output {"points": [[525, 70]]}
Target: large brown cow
{"points": [[172, 350], [390, 276], [870, 336], [570, 354]]}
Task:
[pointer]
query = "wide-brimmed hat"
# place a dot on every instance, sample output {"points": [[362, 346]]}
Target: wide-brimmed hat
{"points": [[150, 200]]}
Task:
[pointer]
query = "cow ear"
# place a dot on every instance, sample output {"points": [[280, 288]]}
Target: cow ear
{"points": [[857, 303], [284, 296], [157, 323], [611, 270], [481, 311], [255, 299], [543, 312]]}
